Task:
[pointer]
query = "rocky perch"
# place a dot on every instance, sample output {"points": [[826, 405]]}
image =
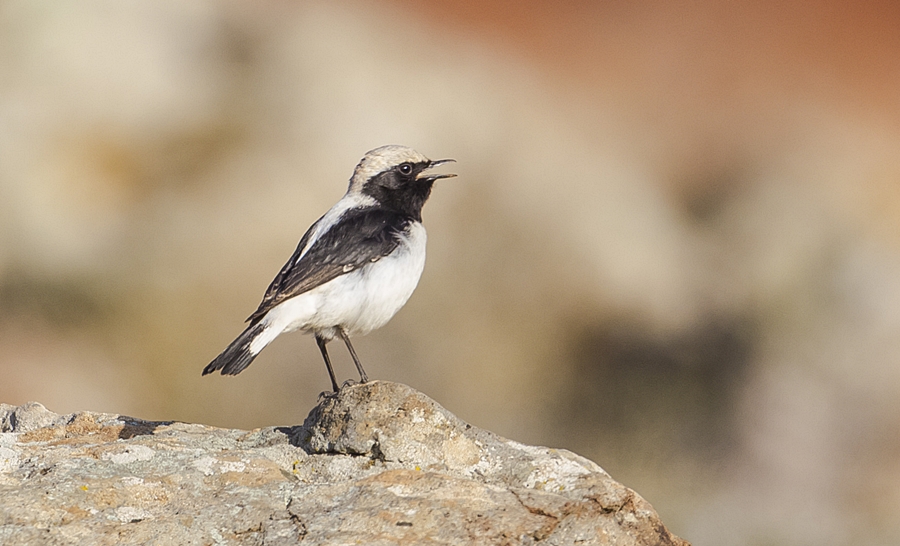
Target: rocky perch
{"points": [[379, 463]]}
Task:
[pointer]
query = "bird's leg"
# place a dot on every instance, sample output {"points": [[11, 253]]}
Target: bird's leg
{"points": [[363, 378], [321, 341]]}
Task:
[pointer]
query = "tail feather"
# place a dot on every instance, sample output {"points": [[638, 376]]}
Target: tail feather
{"points": [[239, 354]]}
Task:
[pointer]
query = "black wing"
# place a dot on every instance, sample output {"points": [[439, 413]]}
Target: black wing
{"points": [[359, 237]]}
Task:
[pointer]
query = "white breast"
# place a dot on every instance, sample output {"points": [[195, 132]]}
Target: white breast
{"points": [[362, 300], [386, 285]]}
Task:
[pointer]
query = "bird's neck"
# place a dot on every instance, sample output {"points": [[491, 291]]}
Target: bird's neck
{"points": [[407, 201]]}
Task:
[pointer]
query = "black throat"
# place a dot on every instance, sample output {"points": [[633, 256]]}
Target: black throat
{"points": [[405, 195]]}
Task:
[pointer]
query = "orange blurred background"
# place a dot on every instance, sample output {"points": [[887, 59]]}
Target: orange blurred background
{"points": [[673, 247]]}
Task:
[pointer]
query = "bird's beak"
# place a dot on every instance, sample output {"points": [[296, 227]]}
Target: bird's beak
{"points": [[432, 177]]}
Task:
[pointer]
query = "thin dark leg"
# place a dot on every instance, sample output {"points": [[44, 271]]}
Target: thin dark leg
{"points": [[363, 378], [321, 341]]}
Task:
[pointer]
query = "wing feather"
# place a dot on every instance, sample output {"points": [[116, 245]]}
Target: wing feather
{"points": [[359, 237]]}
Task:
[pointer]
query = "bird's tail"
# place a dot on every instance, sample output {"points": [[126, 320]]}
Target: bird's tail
{"points": [[241, 352]]}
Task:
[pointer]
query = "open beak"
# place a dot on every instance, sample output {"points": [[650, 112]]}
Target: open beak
{"points": [[432, 177]]}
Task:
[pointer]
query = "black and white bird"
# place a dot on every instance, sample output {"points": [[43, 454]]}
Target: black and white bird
{"points": [[355, 267]]}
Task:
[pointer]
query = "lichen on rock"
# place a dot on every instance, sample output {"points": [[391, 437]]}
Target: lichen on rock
{"points": [[378, 463]]}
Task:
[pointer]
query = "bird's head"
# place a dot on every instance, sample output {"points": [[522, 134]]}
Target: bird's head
{"points": [[397, 177]]}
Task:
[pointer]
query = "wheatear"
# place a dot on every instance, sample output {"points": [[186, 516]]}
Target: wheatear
{"points": [[355, 267]]}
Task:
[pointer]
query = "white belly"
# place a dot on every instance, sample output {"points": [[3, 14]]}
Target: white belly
{"points": [[360, 301]]}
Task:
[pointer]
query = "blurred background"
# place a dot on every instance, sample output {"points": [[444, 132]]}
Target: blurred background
{"points": [[673, 247]]}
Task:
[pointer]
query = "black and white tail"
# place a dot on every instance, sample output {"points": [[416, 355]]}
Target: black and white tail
{"points": [[240, 353]]}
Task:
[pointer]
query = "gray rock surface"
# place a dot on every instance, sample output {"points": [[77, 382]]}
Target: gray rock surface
{"points": [[380, 463]]}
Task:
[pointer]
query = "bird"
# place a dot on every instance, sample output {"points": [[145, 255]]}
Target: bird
{"points": [[354, 268]]}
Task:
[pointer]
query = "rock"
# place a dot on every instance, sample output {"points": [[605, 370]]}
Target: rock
{"points": [[379, 463]]}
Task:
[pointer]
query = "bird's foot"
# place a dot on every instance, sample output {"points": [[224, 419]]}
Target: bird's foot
{"points": [[326, 395], [352, 383]]}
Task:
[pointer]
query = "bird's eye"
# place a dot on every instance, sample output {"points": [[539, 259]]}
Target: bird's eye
{"points": [[405, 169]]}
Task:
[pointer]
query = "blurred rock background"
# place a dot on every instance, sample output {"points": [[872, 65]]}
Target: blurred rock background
{"points": [[674, 245]]}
